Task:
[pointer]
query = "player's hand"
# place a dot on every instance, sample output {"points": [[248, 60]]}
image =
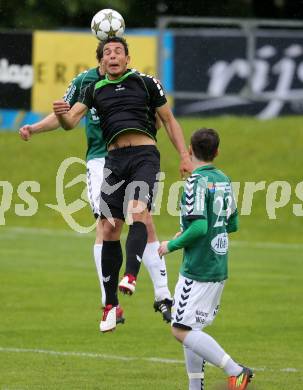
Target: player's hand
{"points": [[25, 132], [163, 248], [186, 165], [177, 235], [60, 107]]}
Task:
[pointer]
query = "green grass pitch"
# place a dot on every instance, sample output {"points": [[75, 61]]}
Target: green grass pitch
{"points": [[49, 294]]}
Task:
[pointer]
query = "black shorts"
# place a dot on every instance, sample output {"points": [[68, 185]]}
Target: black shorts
{"points": [[130, 173]]}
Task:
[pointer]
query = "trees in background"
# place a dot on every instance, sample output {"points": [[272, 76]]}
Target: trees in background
{"points": [[48, 14]]}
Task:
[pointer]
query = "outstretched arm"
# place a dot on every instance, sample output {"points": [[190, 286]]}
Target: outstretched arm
{"points": [[196, 230], [49, 123], [158, 122], [175, 134], [69, 118]]}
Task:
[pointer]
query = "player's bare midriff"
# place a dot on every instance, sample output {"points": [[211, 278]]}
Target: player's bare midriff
{"points": [[131, 138]]}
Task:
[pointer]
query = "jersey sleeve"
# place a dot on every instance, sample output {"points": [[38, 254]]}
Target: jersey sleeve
{"points": [[232, 223], [155, 90], [232, 217], [193, 205], [87, 95], [73, 90], [197, 229]]}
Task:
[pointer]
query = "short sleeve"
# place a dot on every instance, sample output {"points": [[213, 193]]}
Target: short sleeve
{"points": [[230, 201], [155, 90], [87, 95], [194, 198], [73, 90]]}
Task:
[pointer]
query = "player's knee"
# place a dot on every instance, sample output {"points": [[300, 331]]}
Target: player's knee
{"points": [[111, 229], [179, 333], [99, 232]]}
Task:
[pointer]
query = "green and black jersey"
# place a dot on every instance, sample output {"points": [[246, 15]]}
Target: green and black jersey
{"points": [[127, 103], [207, 195], [96, 147]]}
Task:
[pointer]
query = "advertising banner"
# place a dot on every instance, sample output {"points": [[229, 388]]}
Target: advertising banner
{"points": [[16, 72], [59, 56], [216, 63]]}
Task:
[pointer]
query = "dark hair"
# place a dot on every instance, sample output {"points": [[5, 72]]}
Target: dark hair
{"points": [[99, 51], [117, 40], [205, 143]]}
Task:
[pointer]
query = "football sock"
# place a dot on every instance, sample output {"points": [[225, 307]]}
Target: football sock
{"points": [[135, 245], [157, 270], [207, 348], [112, 259], [195, 369], [97, 257]]}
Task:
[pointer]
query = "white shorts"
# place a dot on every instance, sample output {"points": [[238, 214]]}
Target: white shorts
{"points": [[195, 303], [94, 178]]}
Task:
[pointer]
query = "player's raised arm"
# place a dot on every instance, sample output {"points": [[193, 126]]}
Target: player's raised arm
{"points": [[175, 134], [158, 122], [69, 118], [49, 123]]}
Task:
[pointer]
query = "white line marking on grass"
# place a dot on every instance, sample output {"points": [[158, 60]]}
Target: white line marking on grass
{"points": [[90, 355], [124, 358], [162, 360], [289, 369]]}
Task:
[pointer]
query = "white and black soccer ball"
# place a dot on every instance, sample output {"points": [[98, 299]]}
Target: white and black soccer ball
{"points": [[107, 23]]}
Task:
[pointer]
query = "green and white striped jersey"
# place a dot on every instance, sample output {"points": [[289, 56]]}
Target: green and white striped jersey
{"points": [[208, 195], [96, 147]]}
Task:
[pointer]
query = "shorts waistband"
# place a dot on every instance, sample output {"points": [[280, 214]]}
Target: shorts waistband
{"points": [[131, 149]]}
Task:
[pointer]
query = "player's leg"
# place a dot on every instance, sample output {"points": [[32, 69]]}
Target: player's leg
{"points": [[94, 178], [112, 259], [112, 194], [135, 245], [207, 348], [195, 369], [143, 167], [183, 311], [97, 256], [196, 305], [156, 267]]}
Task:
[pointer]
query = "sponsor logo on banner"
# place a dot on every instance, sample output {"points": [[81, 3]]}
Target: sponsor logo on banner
{"points": [[22, 75], [57, 60], [276, 70], [273, 72], [16, 71]]}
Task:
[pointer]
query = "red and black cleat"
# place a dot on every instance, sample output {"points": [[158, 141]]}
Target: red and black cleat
{"points": [[112, 315], [128, 284]]}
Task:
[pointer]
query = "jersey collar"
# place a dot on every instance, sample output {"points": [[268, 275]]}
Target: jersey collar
{"points": [[204, 168], [120, 79]]}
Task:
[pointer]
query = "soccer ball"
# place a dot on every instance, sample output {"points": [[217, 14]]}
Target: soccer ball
{"points": [[107, 23]]}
